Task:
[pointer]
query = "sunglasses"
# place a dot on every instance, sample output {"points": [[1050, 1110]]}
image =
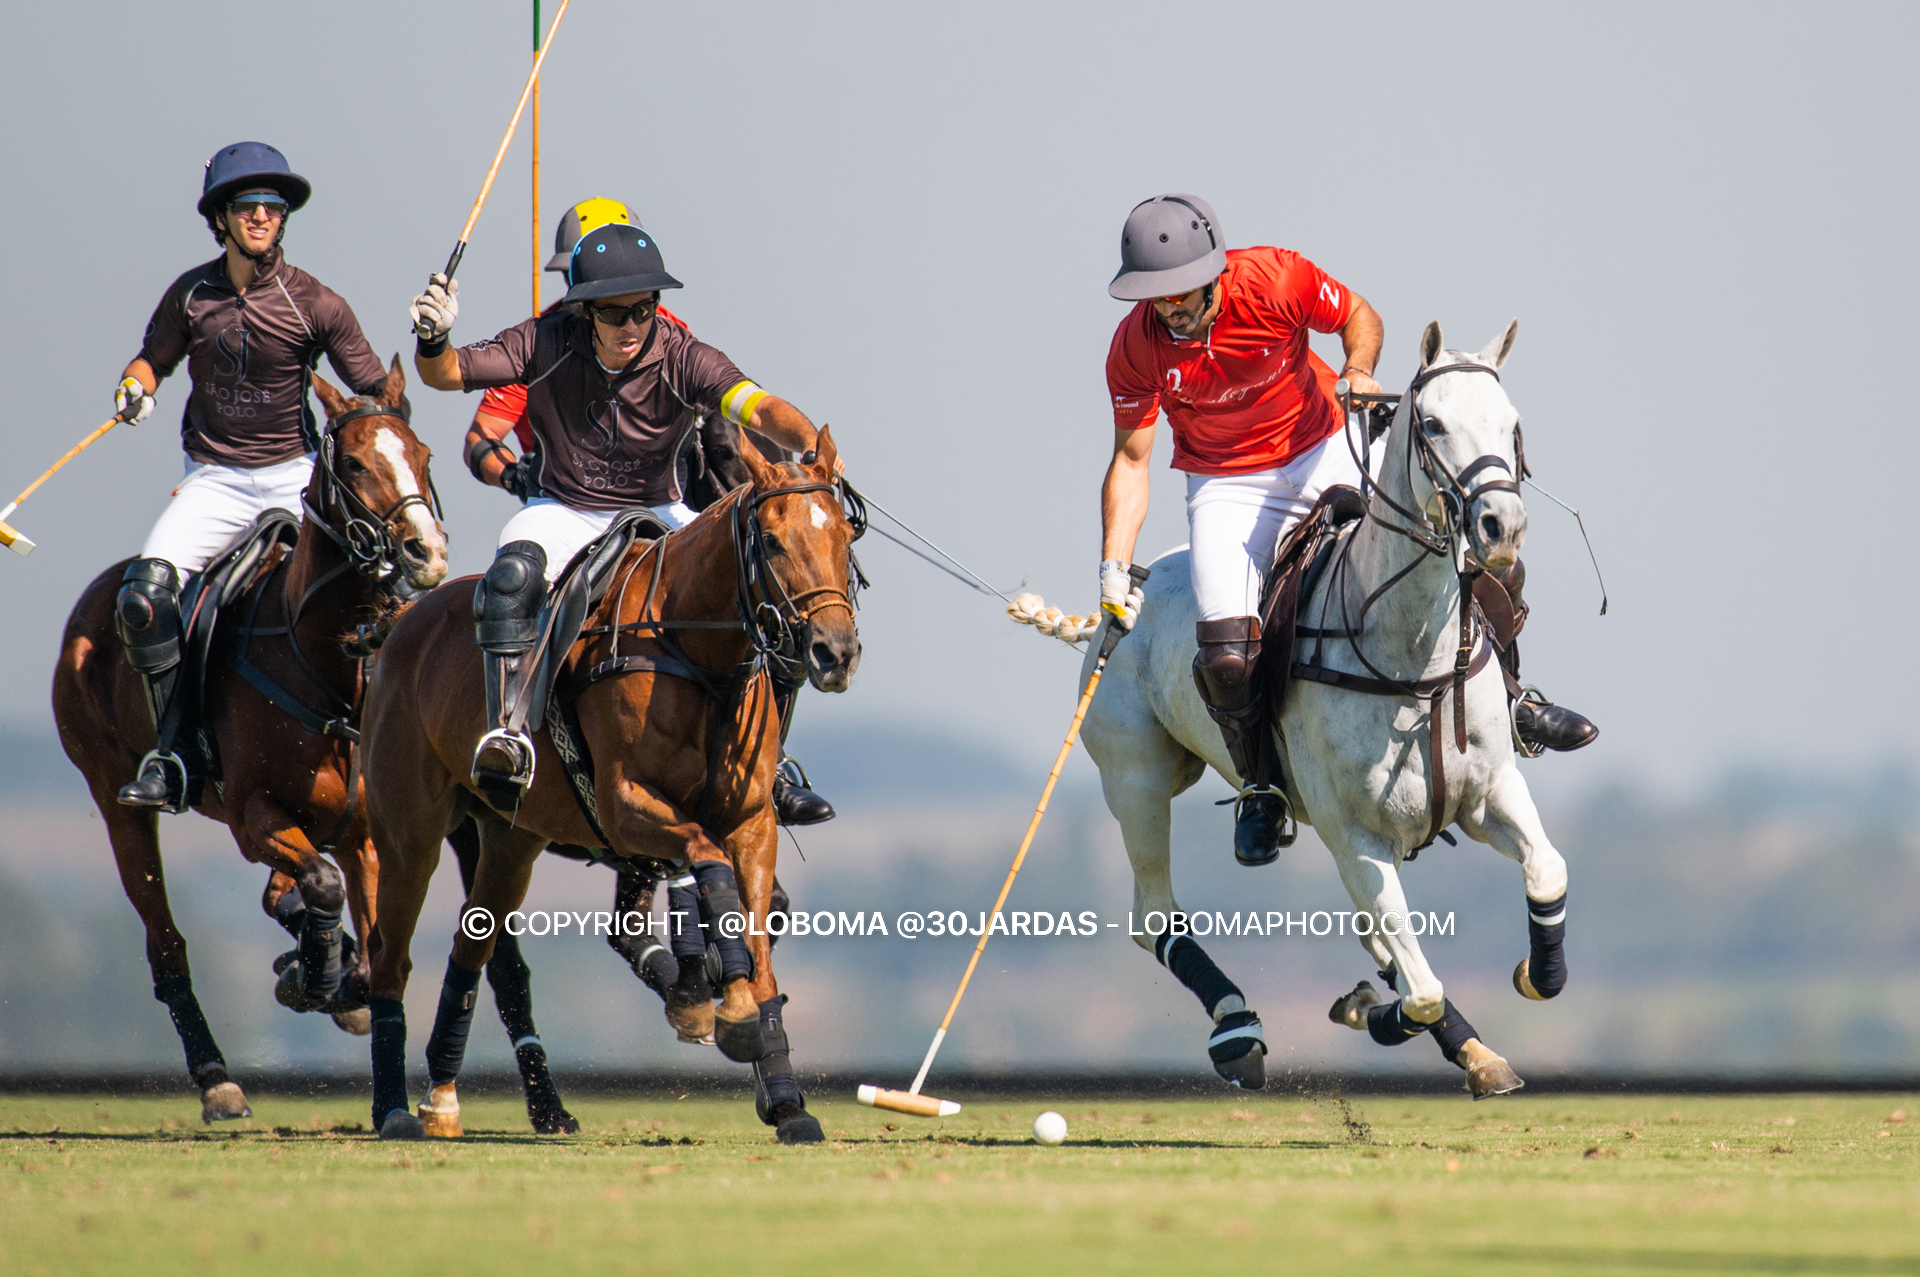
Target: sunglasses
{"points": [[620, 316], [1176, 299], [248, 205]]}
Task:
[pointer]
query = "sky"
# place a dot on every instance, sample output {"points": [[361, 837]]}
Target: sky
{"points": [[903, 219]]}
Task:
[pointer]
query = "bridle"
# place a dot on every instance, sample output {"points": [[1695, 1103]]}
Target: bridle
{"points": [[777, 620], [364, 535]]}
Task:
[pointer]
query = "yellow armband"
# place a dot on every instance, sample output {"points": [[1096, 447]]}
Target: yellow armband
{"points": [[739, 404]]}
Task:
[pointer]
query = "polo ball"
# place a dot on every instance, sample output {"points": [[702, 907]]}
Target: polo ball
{"points": [[1050, 1128]]}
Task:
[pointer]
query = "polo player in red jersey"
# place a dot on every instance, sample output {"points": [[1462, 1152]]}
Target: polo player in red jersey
{"points": [[1218, 341]]}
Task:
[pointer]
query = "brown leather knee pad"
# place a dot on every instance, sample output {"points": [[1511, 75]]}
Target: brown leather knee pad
{"points": [[1223, 667]]}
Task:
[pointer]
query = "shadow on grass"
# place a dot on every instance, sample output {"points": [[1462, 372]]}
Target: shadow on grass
{"points": [[1548, 1258]]}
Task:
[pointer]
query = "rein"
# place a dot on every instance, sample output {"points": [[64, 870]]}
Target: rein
{"points": [[1433, 541]]}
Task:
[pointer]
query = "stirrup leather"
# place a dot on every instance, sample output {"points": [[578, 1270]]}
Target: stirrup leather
{"points": [[517, 746], [1535, 696], [1289, 827], [174, 768]]}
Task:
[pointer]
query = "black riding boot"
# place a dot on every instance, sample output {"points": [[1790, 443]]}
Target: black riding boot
{"points": [[506, 616], [1223, 671], [1538, 724], [148, 614], [794, 802]]}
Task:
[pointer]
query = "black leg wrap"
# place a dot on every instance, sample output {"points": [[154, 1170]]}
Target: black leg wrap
{"points": [[447, 1045], [719, 897], [1390, 1026], [320, 948], [204, 1063], [389, 1057], [1546, 956], [776, 1094], [544, 1109], [1192, 967], [685, 936], [1450, 1033], [290, 911]]}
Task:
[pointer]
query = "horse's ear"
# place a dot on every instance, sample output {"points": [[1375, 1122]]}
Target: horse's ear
{"points": [[1430, 346], [396, 388], [759, 467], [1500, 347], [332, 400], [825, 454]]}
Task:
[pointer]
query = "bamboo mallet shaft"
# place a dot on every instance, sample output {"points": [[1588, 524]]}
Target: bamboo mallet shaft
{"points": [[11, 536]]}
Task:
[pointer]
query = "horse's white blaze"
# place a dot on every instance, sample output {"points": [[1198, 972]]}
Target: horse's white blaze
{"points": [[394, 452], [818, 512], [1356, 765]]}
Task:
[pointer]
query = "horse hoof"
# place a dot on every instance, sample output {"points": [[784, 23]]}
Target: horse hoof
{"points": [[290, 988], [558, 1123], [1351, 1009], [1487, 1073], [804, 1129], [1238, 1049], [402, 1125], [692, 1023], [223, 1102], [739, 1040], [440, 1113], [358, 1021], [1523, 985]]}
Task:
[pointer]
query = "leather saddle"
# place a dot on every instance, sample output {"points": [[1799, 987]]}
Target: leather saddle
{"points": [[242, 563], [1302, 557], [574, 594]]}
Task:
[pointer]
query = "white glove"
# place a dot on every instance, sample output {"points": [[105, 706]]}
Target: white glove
{"points": [[1118, 593], [131, 402], [434, 311]]}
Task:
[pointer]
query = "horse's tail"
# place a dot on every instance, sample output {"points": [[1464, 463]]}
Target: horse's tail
{"points": [[1031, 609]]}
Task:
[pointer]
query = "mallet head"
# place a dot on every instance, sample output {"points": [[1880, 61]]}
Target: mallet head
{"points": [[14, 539], [907, 1102]]}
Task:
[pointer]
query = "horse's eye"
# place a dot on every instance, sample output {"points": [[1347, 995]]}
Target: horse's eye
{"points": [[1432, 426], [772, 543], [352, 465]]}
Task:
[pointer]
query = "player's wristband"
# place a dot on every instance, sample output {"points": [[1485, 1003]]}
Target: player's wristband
{"points": [[430, 349]]}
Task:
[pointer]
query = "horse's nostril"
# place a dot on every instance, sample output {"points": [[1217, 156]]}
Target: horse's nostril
{"points": [[415, 550], [824, 657], [1490, 527]]}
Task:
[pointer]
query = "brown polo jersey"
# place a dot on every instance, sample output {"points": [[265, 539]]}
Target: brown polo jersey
{"points": [[248, 357], [606, 442]]}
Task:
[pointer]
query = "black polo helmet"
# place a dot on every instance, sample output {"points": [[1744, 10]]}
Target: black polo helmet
{"points": [[1170, 245], [248, 164], [610, 261]]}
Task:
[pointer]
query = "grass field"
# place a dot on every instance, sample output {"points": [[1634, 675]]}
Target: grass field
{"points": [[1641, 1184]]}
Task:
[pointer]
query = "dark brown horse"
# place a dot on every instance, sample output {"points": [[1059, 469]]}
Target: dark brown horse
{"points": [[282, 777], [669, 688]]}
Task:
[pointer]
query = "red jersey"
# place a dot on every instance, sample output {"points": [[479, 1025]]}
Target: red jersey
{"points": [[509, 403], [1248, 395]]}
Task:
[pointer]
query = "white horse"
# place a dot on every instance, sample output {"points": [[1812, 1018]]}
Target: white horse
{"points": [[1359, 764]]}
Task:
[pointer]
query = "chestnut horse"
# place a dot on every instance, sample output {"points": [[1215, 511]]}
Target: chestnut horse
{"points": [[369, 539], [669, 686]]}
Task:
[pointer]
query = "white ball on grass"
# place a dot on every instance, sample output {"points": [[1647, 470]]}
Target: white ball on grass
{"points": [[1050, 1128]]}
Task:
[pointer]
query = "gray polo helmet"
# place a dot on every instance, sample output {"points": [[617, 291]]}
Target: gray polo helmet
{"points": [[614, 260], [1171, 244]]}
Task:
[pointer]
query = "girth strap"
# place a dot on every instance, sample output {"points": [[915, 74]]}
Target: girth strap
{"points": [[336, 728]]}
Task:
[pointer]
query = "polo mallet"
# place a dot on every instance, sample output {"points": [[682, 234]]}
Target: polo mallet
{"points": [[10, 536], [911, 1101], [460, 249]]}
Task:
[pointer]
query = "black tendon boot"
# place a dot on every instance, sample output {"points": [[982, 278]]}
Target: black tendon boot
{"points": [[147, 612], [1223, 670], [776, 1095], [1538, 724], [506, 611], [794, 801]]}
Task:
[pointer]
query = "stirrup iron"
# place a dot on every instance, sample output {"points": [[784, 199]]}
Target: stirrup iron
{"points": [[174, 768], [1289, 827], [518, 747], [1534, 695]]}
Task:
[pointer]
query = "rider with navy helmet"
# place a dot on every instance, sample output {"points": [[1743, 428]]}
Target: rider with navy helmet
{"points": [[251, 328], [615, 396]]}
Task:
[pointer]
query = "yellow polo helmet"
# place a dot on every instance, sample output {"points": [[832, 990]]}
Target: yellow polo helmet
{"points": [[587, 215]]}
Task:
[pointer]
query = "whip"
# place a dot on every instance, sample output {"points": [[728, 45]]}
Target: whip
{"points": [[460, 249], [910, 1100]]}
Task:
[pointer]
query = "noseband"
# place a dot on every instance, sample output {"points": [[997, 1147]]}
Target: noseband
{"points": [[366, 538], [1455, 496]]}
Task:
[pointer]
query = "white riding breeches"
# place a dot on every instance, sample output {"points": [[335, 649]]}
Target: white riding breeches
{"points": [[1237, 521], [563, 531], [213, 503]]}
